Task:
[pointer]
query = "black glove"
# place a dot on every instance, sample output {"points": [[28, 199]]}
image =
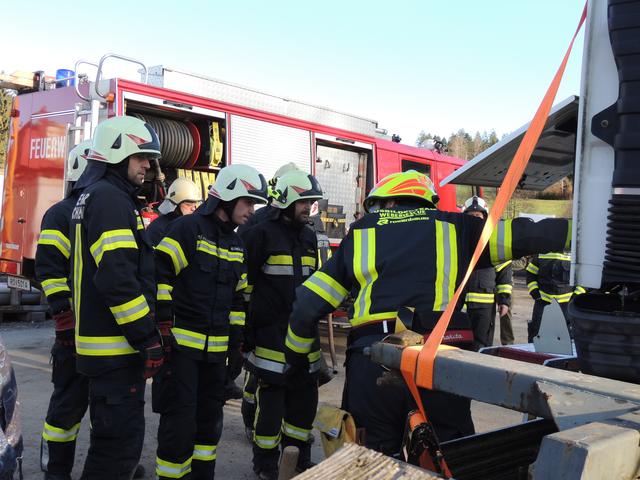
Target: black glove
{"points": [[535, 294], [153, 359]]}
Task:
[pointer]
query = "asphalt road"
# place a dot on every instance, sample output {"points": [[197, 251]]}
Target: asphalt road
{"points": [[29, 346]]}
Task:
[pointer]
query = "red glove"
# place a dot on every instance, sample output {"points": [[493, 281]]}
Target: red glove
{"points": [[153, 359], [65, 326]]}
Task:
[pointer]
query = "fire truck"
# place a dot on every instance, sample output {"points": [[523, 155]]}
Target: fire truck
{"points": [[203, 124]]}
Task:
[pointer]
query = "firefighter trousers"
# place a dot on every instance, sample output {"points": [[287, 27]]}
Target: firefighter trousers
{"points": [[116, 408], [381, 410], [483, 322], [284, 416], [189, 396], [536, 318], [249, 399], [67, 406]]}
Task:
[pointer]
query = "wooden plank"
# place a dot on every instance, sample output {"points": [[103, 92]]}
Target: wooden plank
{"points": [[359, 463]]}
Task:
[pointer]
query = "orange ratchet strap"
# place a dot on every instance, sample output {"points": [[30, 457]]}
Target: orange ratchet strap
{"points": [[417, 363]]}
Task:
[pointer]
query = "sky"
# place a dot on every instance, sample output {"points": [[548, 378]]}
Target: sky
{"points": [[411, 65]]}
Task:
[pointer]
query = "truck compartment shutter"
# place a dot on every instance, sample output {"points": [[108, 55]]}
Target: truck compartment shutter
{"points": [[266, 146]]}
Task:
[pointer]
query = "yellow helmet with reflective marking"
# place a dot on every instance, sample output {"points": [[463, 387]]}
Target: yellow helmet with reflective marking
{"points": [[409, 184]]}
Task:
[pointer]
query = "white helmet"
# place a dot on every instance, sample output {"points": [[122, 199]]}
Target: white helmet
{"points": [[77, 160], [181, 190], [236, 181], [476, 204], [295, 185], [117, 138]]}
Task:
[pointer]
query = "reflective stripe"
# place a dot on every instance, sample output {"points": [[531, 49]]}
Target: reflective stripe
{"points": [[237, 318], [204, 453], [373, 317], [164, 292], [504, 288], [103, 346], [211, 248], [278, 269], [266, 442], [198, 341], [139, 223], [326, 287], [112, 240], [296, 343], [55, 434], [500, 242], [174, 250], [532, 286], [217, 344], [314, 361], [567, 242], [130, 311], [565, 257], [242, 283], [77, 278], [172, 470], [473, 297], [446, 264], [280, 260], [269, 354], [533, 268], [560, 297], [249, 397], [55, 285], [56, 239], [579, 290], [502, 266], [264, 364], [309, 261], [364, 268], [298, 433], [307, 271]]}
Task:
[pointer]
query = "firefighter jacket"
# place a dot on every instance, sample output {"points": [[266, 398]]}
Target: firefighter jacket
{"points": [[408, 257], [113, 287], [548, 278], [279, 258], [52, 255], [158, 228], [489, 285], [201, 274]]}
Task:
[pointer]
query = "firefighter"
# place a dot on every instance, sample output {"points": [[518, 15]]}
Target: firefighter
{"points": [[486, 288], [182, 198], [70, 396], [201, 274], [281, 254], [404, 252], [117, 344], [548, 280], [324, 253]]}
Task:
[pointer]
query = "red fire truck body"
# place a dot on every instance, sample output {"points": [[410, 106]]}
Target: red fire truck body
{"points": [[211, 124]]}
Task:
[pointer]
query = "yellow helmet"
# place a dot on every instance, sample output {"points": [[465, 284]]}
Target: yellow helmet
{"points": [[409, 184], [181, 190]]}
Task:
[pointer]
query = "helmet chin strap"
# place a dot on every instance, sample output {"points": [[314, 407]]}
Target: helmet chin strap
{"points": [[228, 208]]}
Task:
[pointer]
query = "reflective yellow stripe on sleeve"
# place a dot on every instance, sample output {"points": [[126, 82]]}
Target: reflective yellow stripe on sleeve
{"points": [[164, 292], [446, 264], [242, 283], [56, 239], [172, 248], [560, 298], [579, 290], [55, 285], [533, 268], [130, 311], [500, 243], [237, 318], [502, 266], [364, 268], [112, 240], [565, 257], [531, 286], [296, 343], [326, 287], [505, 288]]}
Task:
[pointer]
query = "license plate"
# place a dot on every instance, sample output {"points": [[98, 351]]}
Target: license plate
{"points": [[20, 283]]}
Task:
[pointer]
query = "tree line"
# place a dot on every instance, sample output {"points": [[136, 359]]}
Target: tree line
{"points": [[459, 144]]}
